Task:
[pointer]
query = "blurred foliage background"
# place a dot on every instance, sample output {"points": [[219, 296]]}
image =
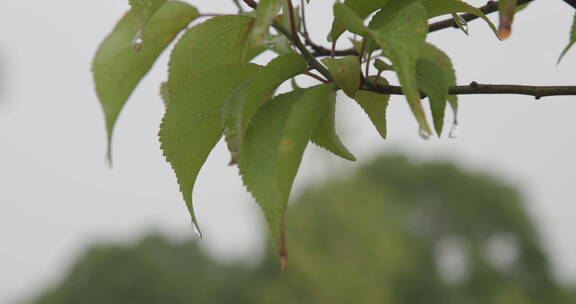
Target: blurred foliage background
{"points": [[394, 231]]}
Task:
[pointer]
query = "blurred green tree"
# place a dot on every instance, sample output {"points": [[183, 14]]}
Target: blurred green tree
{"points": [[395, 231]]}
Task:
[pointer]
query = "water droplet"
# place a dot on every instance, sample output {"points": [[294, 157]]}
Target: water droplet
{"points": [[462, 24], [424, 134], [454, 132], [137, 41], [196, 232]]}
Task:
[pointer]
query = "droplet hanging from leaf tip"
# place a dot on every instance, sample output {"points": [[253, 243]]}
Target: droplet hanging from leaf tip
{"points": [[137, 41], [454, 132], [196, 231], [425, 134], [109, 155]]}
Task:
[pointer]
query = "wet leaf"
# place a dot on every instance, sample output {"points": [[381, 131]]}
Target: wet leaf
{"points": [[117, 68], [346, 72], [192, 126], [265, 14], [360, 9], [243, 104], [435, 75], [143, 10], [374, 105], [272, 150], [213, 43], [325, 134], [441, 7], [401, 38]]}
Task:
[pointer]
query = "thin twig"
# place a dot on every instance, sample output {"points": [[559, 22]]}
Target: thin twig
{"points": [[368, 64], [333, 49], [251, 3], [362, 48], [477, 88], [304, 26], [292, 20], [490, 7], [297, 43], [316, 77], [205, 15]]}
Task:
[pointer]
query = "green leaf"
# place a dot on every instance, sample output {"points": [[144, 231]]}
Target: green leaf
{"points": [[433, 82], [325, 134], [460, 22], [572, 40], [272, 149], [507, 10], [363, 8], [389, 12], [375, 106], [191, 126], [346, 72], [279, 44], [453, 100], [265, 14], [435, 75], [231, 118], [242, 106], [294, 84], [165, 93], [117, 68], [382, 66], [216, 42], [400, 29], [401, 39], [344, 20], [143, 10], [441, 7]]}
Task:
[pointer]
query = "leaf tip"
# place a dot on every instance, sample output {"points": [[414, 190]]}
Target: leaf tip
{"points": [[196, 228], [109, 161], [283, 252], [504, 31], [283, 263], [137, 41]]}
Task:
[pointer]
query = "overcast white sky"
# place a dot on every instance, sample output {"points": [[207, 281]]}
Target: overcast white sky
{"points": [[57, 194]]}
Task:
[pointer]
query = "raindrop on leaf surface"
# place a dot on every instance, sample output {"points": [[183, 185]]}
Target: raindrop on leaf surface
{"points": [[424, 134], [137, 41]]}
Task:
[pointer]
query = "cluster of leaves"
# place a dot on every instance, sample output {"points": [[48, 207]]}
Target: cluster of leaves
{"points": [[214, 91]]}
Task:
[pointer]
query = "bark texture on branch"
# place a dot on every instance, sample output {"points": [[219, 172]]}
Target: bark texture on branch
{"points": [[477, 88]]}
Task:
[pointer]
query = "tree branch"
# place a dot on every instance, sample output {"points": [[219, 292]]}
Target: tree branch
{"points": [[477, 88], [251, 3], [572, 3], [490, 7], [292, 20], [298, 44]]}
